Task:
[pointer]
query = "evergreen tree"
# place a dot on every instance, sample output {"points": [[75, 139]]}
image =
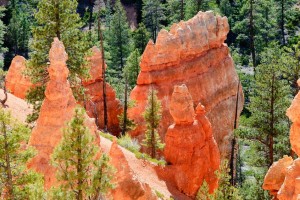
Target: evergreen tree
{"points": [[225, 190], [141, 37], [175, 11], [152, 116], [56, 18], [119, 41], [192, 7], [2, 33], [132, 68], [81, 176], [16, 181], [153, 15], [269, 101]]}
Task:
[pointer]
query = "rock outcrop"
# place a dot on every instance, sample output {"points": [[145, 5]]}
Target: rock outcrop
{"points": [[191, 53], [128, 187], [16, 82], [287, 187], [190, 150], [57, 109], [94, 89]]}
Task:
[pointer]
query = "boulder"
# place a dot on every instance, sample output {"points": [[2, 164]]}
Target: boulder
{"points": [[191, 151], [94, 90], [191, 53], [16, 82], [57, 109]]}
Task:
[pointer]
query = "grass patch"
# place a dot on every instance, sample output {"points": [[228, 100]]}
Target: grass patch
{"points": [[133, 146]]}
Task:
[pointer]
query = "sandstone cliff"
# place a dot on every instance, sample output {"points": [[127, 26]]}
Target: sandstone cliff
{"points": [[283, 177], [57, 109], [16, 82], [191, 53], [94, 90], [190, 150]]}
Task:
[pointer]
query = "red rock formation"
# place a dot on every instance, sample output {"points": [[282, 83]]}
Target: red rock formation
{"points": [[276, 175], [57, 109], [94, 87], [289, 189], [192, 53], [190, 148], [16, 82], [128, 186]]}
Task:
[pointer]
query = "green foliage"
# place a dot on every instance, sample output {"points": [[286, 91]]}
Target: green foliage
{"points": [[152, 116], [132, 68], [81, 174], [16, 181], [130, 124], [175, 10], [153, 15], [192, 7], [2, 31], [225, 191], [56, 19], [140, 38], [129, 143], [119, 41]]}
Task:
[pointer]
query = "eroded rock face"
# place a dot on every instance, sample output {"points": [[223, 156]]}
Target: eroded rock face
{"points": [[276, 175], [57, 109], [190, 150], [94, 89], [191, 53], [283, 178], [16, 82], [128, 187]]}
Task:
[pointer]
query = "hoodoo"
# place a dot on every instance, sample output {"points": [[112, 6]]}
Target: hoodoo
{"points": [[191, 53], [57, 109], [190, 150]]}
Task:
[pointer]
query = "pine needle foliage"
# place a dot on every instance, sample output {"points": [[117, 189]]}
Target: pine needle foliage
{"points": [[16, 181], [56, 18], [82, 176], [152, 116]]}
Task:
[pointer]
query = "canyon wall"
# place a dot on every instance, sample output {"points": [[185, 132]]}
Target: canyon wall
{"points": [[191, 53], [94, 92]]}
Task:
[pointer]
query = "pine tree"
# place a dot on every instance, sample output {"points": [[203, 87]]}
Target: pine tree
{"points": [[152, 116], [192, 7], [119, 41], [16, 181], [175, 11], [269, 101], [141, 37], [153, 15], [56, 18], [2, 31], [132, 68], [81, 176]]}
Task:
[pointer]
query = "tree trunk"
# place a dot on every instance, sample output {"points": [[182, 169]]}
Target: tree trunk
{"points": [[9, 182], [272, 122], [57, 18], [153, 150], [234, 143], [199, 2], [282, 22], [125, 107], [252, 46], [91, 6], [79, 168], [181, 10], [100, 37]]}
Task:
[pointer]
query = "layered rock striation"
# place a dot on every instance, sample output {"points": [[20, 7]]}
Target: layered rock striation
{"points": [[191, 53], [283, 177], [57, 109], [16, 82], [94, 90], [191, 151]]}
